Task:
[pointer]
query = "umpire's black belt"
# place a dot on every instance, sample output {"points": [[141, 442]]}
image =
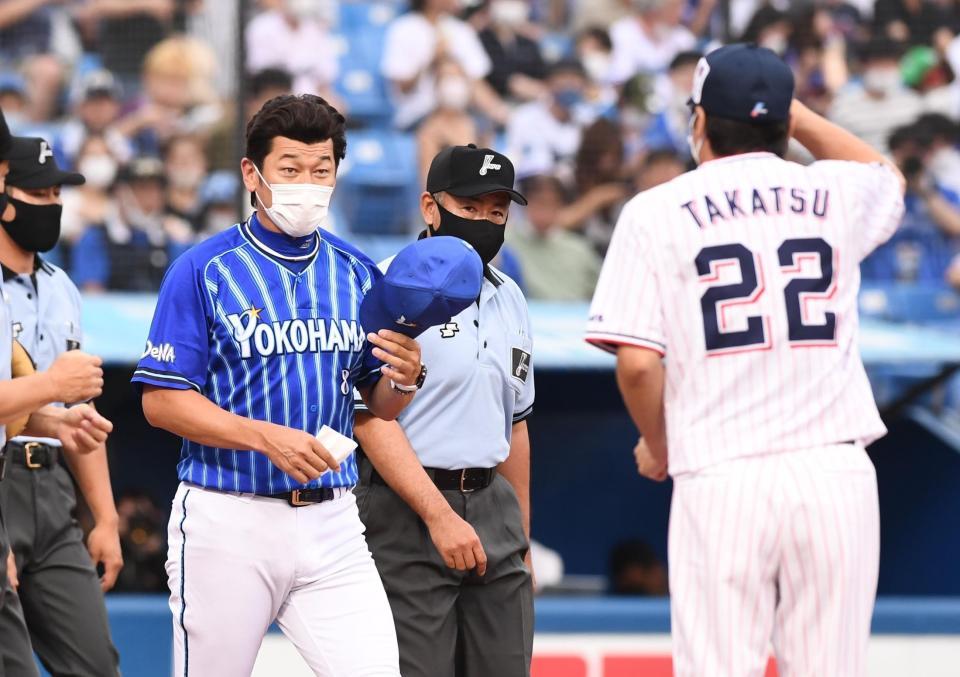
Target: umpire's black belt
{"points": [[301, 497], [464, 480], [33, 455]]}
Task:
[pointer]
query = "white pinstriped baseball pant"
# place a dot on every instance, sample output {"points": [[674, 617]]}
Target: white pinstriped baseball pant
{"points": [[782, 547]]}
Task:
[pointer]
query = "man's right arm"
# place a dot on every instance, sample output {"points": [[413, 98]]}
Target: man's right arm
{"points": [[73, 377], [394, 459], [828, 141], [189, 414]]}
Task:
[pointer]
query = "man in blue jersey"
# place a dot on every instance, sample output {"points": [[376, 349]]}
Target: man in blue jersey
{"points": [[255, 345]]}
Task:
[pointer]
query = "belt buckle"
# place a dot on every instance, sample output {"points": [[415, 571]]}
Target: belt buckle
{"points": [[28, 450], [463, 477], [295, 499]]}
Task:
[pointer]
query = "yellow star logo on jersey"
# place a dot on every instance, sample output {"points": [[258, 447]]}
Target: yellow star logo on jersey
{"points": [[255, 313]]}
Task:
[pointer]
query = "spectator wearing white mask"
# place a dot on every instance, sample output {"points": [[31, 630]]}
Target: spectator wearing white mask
{"points": [[518, 67], [90, 203], [879, 103], [294, 37], [415, 43], [449, 124], [647, 41]]}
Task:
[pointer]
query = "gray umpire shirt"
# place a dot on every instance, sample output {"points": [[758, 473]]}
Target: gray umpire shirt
{"points": [[6, 353], [479, 381], [44, 311]]}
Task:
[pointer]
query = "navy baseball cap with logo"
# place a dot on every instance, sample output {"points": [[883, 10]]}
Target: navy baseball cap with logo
{"points": [[32, 165], [468, 171], [744, 82], [427, 283]]}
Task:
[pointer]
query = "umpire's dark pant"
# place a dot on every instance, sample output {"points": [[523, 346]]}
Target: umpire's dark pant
{"points": [[16, 656], [452, 623], [59, 587]]}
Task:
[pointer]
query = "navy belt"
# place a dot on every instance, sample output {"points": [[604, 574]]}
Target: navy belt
{"points": [[301, 497]]}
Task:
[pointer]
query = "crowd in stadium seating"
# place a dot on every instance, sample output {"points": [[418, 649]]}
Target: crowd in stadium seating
{"points": [[587, 98]]}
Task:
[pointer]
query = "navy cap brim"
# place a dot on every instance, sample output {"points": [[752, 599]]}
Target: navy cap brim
{"points": [[374, 315], [478, 189]]}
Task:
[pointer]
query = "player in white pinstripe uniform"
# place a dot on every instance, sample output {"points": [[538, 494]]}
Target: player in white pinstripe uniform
{"points": [[744, 274]]}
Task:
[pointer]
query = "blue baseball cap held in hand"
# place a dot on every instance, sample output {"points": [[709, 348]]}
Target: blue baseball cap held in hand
{"points": [[427, 283]]}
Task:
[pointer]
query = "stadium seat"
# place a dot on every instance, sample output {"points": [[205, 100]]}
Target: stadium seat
{"points": [[556, 46], [914, 303], [361, 30], [359, 17], [378, 182]]}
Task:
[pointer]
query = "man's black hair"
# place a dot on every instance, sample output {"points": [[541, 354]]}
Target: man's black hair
{"points": [[267, 79], [598, 33], [691, 58], [732, 137], [305, 117]]}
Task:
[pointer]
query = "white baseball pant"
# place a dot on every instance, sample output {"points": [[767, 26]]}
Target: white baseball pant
{"points": [[782, 547], [237, 562]]}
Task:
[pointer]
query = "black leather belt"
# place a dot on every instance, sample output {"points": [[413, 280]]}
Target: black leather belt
{"points": [[464, 480], [33, 455], [301, 497]]}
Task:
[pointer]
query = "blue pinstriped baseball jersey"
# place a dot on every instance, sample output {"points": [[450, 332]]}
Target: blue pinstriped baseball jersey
{"points": [[267, 328]]}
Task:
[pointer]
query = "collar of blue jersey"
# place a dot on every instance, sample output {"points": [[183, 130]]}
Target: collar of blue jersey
{"points": [[38, 264], [278, 245], [488, 272]]}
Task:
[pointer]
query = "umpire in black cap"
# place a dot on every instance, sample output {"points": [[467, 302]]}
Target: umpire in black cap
{"points": [[16, 655], [444, 490], [60, 590]]}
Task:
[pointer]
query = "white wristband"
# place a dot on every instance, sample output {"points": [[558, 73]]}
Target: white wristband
{"points": [[403, 389]]}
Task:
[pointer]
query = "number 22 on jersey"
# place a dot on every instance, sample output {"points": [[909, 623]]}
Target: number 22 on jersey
{"points": [[796, 293]]}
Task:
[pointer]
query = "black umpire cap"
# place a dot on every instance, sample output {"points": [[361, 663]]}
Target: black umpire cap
{"points": [[744, 82], [32, 165], [5, 138], [468, 171]]}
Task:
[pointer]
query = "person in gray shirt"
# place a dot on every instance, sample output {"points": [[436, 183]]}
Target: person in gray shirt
{"points": [[60, 590], [71, 378], [444, 490]]}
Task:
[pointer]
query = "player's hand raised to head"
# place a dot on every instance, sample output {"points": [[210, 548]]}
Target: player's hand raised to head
{"points": [[649, 464], [298, 454], [76, 376], [400, 355]]}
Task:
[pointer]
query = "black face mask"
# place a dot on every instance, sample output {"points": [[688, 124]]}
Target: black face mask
{"points": [[3, 204], [483, 235], [36, 228]]}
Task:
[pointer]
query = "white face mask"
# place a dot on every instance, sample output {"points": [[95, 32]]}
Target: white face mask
{"points": [[944, 164], [184, 179], [511, 13], [303, 9], [298, 208], [453, 93], [882, 80], [597, 65], [776, 42], [695, 146], [98, 170]]}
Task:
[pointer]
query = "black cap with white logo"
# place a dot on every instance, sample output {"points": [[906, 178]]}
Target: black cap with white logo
{"points": [[32, 165], [744, 82], [468, 171]]}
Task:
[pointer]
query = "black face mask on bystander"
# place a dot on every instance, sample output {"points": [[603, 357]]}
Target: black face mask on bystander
{"points": [[35, 228], [483, 235]]}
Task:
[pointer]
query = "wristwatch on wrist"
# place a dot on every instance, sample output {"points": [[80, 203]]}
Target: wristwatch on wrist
{"points": [[407, 390]]}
